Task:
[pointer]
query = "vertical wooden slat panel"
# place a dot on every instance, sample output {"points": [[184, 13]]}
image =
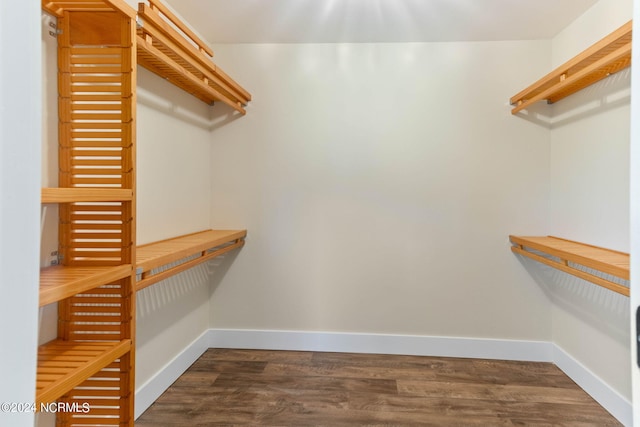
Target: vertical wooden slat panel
{"points": [[96, 84]]}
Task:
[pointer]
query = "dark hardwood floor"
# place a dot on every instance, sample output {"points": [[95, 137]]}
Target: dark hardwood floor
{"points": [[284, 388]]}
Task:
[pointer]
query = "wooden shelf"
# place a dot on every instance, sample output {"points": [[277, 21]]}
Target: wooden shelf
{"points": [[83, 194], [184, 61], [93, 359], [204, 245], [60, 282], [569, 252], [63, 365], [608, 56], [58, 7]]}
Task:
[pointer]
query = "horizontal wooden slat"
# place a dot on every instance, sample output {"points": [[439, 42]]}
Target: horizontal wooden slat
{"points": [[70, 195], [604, 260]]}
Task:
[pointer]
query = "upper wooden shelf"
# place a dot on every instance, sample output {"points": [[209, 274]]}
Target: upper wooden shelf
{"points": [[84, 194], [58, 7], [608, 56], [63, 365], [60, 282], [199, 247], [569, 252], [183, 60]]}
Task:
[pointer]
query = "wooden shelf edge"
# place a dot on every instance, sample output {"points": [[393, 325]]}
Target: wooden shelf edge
{"points": [[179, 76], [550, 245], [88, 358], [555, 81], [60, 282], [167, 47], [58, 7], [205, 245], [85, 194]]}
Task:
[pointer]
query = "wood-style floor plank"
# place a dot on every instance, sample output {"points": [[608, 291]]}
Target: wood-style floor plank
{"points": [[282, 388]]}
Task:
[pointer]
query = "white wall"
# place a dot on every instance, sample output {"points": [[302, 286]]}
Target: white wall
{"points": [[635, 214], [590, 200], [20, 152], [379, 184], [173, 191]]}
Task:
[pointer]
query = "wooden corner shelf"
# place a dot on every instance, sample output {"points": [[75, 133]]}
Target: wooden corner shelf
{"points": [[63, 365], [203, 246], [85, 194], [183, 60], [60, 282], [569, 252], [608, 56]]}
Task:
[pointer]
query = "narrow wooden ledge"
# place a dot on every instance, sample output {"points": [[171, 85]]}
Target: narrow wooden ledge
{"points": [[84, 194], [63, 365], [202, 246], [608, 56], [605, 260]]}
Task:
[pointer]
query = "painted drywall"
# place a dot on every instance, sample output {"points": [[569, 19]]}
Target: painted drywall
{"points": [[173, 196], [589, 200], [379, 184], [635, 214], [173, 181], [20, 152]]}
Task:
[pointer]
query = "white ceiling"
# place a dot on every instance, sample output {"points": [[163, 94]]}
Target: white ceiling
{"points": [[328, 21]]}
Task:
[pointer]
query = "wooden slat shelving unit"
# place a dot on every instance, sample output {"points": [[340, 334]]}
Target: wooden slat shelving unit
{"points": [[608, 56], [63, 365], [204, 245], [569, 252], [184, 61], [93, 357]]}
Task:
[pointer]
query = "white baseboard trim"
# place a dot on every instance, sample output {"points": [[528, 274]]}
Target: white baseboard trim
{"points": [[534, 351], [381, 343], [601, 392], [148, 392]]}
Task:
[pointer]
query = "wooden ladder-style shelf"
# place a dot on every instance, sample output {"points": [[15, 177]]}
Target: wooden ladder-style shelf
{"points": [[608, 56], [92, 360], [192, 249], [567, 253], [184, 61]]}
